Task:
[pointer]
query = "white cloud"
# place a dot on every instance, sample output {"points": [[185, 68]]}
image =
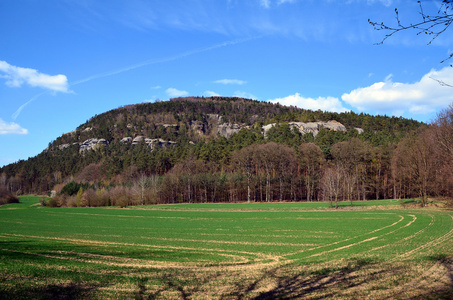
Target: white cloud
{"points": [[210, 94], [422, 97], [386, 3], [321, 103], [286, 1], [156, 87], [265, 3], [11, 128], [231, 81], [172, 92], [16, 76], [245, 95]]}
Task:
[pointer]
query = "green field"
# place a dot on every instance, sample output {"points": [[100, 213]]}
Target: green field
{"points": [[379, 249]]}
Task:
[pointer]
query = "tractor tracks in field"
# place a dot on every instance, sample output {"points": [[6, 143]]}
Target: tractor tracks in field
{"points": [[349, 239], [235, 259]]}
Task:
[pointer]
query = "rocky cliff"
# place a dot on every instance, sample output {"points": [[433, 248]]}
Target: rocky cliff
{"points": [[213, 126]]}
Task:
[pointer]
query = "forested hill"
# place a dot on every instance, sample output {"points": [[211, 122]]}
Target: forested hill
{"points": [[152, 138], [198, 119]]}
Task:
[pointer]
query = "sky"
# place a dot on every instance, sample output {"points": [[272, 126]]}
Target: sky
{"points": [[64, 61]]}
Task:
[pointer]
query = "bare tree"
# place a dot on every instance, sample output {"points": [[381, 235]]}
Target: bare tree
{"points": [[140, 187], [311, 162], [331, 184], [444, 130], [3, 179], [285, 163], [244, 160], [265, 155], [353, 156], [441, 134], [414, 160], [431, 24]]}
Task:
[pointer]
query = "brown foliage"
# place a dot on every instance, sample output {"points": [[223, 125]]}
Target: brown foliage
{"points": [[90, 174], [6, 196], [311, 163], [120, 196]]}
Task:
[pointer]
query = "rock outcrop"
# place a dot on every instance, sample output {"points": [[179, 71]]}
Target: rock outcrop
{"points": [[152, 143], [228, 129], [126, 140], [92, 144], [213, 126], [310, 127]]}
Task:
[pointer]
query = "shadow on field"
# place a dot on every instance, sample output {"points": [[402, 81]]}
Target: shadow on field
{"points": [[326, 282], [23, 275], [447, 291], [63, 292], [169, 283]]}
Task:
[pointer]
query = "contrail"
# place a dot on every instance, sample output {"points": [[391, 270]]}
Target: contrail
{"points": [[163, 60], [18, 111], [142, 64]]}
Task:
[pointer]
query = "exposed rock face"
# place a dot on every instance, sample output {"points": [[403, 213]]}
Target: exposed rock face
{"points": [[167, 125], [63, 146], [138, 139], [215, 118], [213, 126], [310, 127], [92, 143], [228, 129], [359, 130], [198, 127], [126, 140], [152, 143]]}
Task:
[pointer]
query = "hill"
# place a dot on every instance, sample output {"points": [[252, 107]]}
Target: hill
{"points": [[161, 138]]}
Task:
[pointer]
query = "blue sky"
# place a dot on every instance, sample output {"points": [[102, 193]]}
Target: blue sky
{"points": [[63, 61]]}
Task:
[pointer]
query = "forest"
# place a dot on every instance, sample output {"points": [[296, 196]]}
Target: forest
{"points": [[376, 157]]}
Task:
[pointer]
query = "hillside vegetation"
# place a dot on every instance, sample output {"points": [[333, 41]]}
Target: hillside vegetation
{"points": [[221, 149]]}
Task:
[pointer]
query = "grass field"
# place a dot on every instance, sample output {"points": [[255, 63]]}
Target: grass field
{"points": [[374, 249]]}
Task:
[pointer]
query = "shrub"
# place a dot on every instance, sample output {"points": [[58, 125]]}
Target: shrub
{"points": [[72, 202], [89, 197], [120, 196], [7, 197], [54, 202], [101, 199], [72, 188]]}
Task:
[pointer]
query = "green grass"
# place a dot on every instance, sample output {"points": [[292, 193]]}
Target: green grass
{"points": [[229, 250]]}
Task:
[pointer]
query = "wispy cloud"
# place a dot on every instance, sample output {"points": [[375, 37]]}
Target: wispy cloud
{"points": [[265, 3], [17, 76], [11, 128], [19, 110], [422, 97], [210, 93], [321, 103], [386, 3], [242, 94], [172, 92], [231, 81], [164, 60], [63, 86]]}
